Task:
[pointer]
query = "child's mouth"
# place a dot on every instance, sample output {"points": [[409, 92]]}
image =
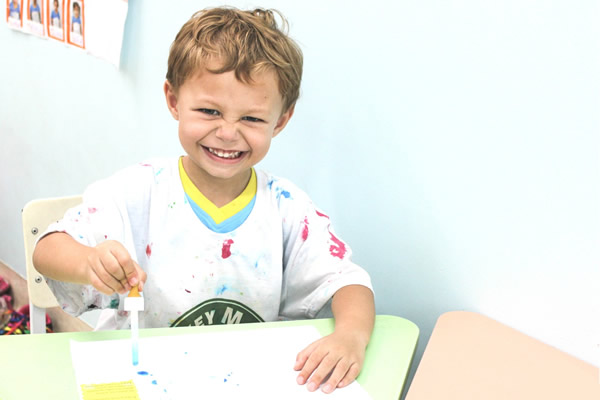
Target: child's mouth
{"points": [[226, 154]]}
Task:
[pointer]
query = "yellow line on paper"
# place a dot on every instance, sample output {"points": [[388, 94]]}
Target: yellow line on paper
{"points": [[110, 391]]}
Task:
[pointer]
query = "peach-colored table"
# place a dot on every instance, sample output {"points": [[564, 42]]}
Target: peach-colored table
{"points": [[470, 356]]}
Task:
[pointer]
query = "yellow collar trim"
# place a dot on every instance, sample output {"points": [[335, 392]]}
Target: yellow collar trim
{"points": [[228, 210]]}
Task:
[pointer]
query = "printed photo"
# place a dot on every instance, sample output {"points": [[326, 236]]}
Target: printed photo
{"points": [[35, 12], [34, 17], [14, 13], [55, 19], [75, 19]]}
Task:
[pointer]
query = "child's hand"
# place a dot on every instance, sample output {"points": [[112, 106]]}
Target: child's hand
{"points": [[341, 354], [111, 269]]}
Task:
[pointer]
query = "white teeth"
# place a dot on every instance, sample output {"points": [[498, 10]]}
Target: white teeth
{"points": [[224, 154]]}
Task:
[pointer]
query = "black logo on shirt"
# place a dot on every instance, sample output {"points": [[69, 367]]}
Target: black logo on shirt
{"points": [[217, 312]]}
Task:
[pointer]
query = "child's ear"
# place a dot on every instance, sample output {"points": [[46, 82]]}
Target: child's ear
{"points": [[171, 98], [283, 120]]}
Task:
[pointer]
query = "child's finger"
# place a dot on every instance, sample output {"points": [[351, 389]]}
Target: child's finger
{"points": [[99, 269], [351, 375], [340, 371], [111, 265], [302, 357], [323, 369], [128, 266], [310, 365], [99, 284]]}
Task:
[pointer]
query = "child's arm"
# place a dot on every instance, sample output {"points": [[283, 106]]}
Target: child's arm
{"points": [[108, 267], [342, 353]]}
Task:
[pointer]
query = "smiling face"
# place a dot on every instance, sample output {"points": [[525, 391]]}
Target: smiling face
{"points": [[226, 126]]}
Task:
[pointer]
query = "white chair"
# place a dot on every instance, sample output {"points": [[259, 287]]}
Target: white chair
{"points": [[36, 217]]}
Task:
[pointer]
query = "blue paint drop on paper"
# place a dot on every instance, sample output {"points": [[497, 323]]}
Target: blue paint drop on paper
{"points": [[142, 373], [154, 382]]}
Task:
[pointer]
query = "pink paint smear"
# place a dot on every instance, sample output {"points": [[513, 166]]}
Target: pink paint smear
{"points": [[339, 248], [305, 229], [226, 250]]}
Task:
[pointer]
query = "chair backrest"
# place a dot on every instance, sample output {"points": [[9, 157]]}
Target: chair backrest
{"points": [[36, 217]]}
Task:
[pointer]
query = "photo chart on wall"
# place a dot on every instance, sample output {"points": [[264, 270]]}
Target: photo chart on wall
{"points": [[76, 23]]}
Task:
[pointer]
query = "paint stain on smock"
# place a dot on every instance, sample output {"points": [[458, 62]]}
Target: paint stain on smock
{"points": [[305, 229], [338, 249], [221, 290], [226, 250]]}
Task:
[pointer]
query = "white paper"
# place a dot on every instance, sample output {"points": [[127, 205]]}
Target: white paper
{"points": [[105, 27], [219, 365]]}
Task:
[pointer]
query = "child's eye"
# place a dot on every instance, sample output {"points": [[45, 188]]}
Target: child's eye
{"points": [[252, 119], [208, 111]]}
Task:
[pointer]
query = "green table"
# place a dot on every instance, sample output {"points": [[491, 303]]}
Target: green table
{"points": [[39, 366]]}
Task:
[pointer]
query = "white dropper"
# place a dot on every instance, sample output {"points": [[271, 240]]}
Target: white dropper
{"points": [[134, 303]]}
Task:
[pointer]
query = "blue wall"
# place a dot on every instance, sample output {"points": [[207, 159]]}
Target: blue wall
{"points": [[455, 145]]}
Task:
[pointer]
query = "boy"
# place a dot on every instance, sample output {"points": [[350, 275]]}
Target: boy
{"points": [[218, 241]]}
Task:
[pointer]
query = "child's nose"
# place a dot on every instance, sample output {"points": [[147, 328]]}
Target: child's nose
{"points": [[227, 131]]}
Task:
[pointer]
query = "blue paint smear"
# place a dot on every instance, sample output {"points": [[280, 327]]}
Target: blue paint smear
{"points": [[280, 192], [154, 382], [270, 184], [222, 289], [142, 373]]}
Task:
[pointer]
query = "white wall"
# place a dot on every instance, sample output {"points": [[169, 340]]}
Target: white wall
{"points": [[454, 143]]}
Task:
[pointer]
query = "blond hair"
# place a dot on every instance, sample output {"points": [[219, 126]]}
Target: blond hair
{"points": [[241, 41]]}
